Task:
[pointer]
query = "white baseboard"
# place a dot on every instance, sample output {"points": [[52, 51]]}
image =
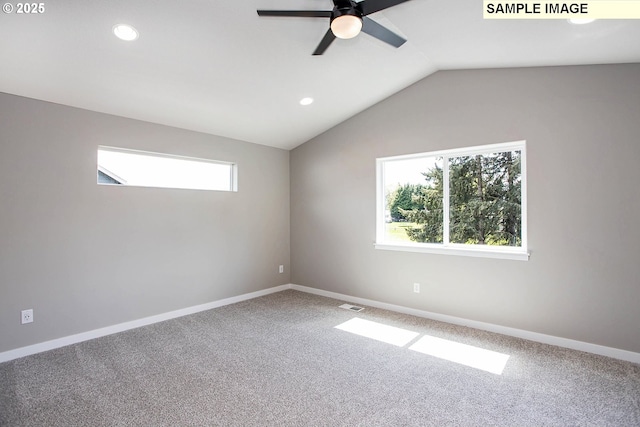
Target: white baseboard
{"points": [[615, 353], [97, 333]]}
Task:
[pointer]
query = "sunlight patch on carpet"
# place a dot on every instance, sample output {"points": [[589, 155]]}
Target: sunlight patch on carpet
{"points": [[377, 331], [463, 354]]}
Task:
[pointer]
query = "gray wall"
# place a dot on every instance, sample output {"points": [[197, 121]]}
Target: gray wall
{"points": [[582, 126], [85, 256]]}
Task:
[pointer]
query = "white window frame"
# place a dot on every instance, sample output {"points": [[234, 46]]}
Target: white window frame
{"points": [[448, 248], [233, 169]]}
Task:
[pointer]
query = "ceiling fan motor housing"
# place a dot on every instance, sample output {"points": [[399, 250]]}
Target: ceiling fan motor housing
{"points": [[342, 8]]}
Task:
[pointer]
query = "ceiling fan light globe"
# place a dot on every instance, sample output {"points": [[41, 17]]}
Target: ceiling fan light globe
{"points": [[346, 26]]}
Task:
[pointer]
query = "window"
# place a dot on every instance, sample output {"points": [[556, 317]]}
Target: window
{"points": [[118, 166], [469, 201]]}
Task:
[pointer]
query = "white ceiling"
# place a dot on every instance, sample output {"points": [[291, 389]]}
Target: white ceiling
{"points": [[216, 67]]}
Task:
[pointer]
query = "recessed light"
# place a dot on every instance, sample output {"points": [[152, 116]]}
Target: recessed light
{"points": [[125, 32], [580, 21], [306, 101]]}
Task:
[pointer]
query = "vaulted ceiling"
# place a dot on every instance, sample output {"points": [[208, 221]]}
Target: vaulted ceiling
{"points": [[217, 67]]}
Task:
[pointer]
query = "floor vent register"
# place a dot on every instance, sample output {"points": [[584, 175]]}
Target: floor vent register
{"points": [[351, 307]]}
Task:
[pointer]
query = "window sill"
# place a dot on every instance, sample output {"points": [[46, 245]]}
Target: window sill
{"points": [[460, 250]]}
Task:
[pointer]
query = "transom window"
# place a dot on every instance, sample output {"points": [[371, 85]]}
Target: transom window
{"points": [[469, 201], [118, 166]]}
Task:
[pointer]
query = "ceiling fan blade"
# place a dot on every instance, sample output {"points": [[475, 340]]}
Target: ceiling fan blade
{"points": [[376, 30], [372, 6], [325, 42], [303, 13]]}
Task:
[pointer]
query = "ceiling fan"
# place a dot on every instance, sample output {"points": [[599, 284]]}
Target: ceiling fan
{"points": [[347, 19]]}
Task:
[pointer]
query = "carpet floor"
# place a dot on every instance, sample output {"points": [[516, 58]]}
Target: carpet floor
{"points": [[280, 360]]}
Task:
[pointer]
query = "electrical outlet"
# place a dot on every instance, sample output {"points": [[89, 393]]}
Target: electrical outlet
{"points": [[281, 269], [416, 288], [27, 316]]}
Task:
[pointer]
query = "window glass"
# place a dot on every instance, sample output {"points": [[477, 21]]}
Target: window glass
{"points": [[135, 168], [485, 199], [413, 193]]}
